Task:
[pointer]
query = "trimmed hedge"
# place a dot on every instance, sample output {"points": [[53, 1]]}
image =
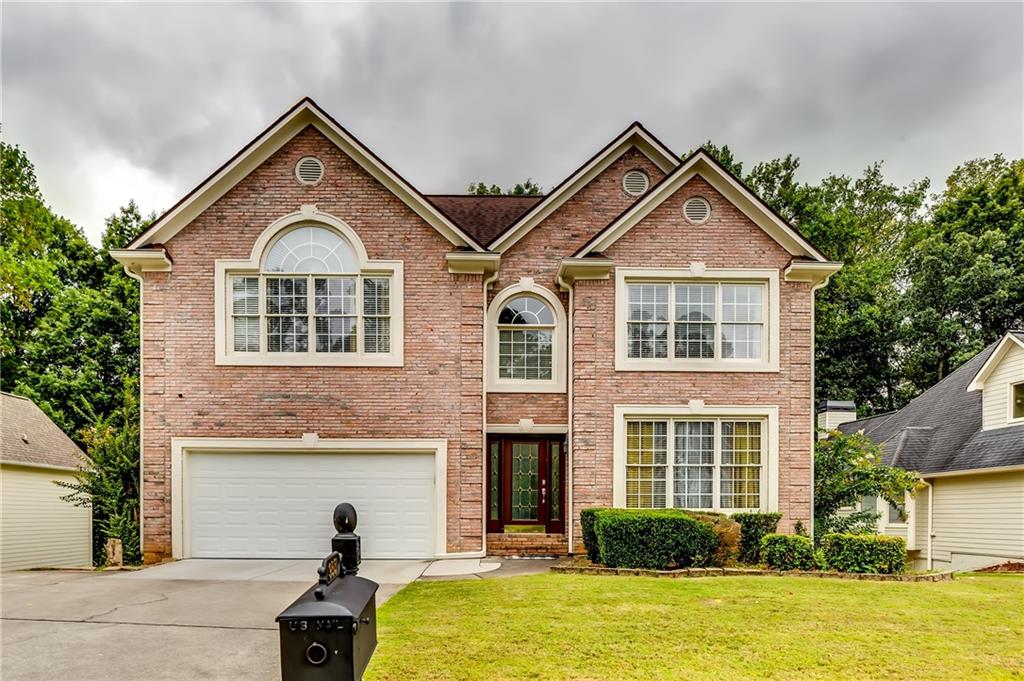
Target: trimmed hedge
{"points": [[658, 539], [727, 533], [877, 553], [753, 527], [788, 552], [587, 518]]}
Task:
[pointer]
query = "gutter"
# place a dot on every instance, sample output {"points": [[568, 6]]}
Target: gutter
{"points": [[928, 550]]}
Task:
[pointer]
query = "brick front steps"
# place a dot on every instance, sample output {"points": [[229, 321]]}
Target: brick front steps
{"points": [[523, 544], [578, 568]]}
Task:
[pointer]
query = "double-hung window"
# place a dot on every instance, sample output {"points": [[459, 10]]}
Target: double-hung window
{"points": [[311, 297], [696, 321], [710, 464]]}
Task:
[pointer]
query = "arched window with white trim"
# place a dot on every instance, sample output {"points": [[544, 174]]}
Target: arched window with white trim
{"points": [[527, 341], [309, 296]]}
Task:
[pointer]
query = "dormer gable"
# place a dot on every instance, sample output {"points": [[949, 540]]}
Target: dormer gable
{"points": [[1001, 383]]}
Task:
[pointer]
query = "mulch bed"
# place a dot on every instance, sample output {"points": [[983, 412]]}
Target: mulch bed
{"points": [[1009, 566], [582, 566]]}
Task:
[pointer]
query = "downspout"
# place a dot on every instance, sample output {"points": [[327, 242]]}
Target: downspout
{"points": [[487, 282], [563, 285], [814, 425], [142, 413], [928, 543]]}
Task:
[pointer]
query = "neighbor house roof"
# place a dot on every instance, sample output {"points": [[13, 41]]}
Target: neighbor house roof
{"points": [[27, 435], [483, 217], [940, 431]]}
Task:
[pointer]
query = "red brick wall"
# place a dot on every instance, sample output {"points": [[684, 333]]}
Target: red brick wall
{"points": [[538, 255], [665, 239], [437, 394]]}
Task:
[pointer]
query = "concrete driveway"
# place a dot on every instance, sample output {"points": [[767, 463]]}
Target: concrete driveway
{"points": [[195, 619]]}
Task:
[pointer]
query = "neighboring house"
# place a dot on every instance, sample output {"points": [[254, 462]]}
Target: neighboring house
{"points": [[965, 436], [38, 528], [469, 371]]}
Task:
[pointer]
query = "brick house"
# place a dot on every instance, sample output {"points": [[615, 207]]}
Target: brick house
{"points": [[469, 371]]}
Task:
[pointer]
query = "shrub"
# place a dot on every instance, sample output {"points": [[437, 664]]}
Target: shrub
{"points": [[754, 527], [788, 552], [727, 533], [657, 539], [864, 553], [587, 518]]}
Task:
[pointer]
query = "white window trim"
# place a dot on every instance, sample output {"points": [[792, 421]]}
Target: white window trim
{"points": [[224, 270], [697, 273], [696, 410], [556, 384], [181, 447], [1010, 420]]}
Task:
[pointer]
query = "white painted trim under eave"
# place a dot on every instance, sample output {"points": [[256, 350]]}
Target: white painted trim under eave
{"points": [[1003, 347], [698, 273], [634, 136], [38, 466], [973, 471], [142, 260], [695, 408], [304, 114], [741, 197], [308, 443]]}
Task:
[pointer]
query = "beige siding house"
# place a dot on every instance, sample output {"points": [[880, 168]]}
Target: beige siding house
{"points": [[965, 436], [37, 528]]}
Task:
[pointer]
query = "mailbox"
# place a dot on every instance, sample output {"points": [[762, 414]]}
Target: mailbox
{"points": [[330, 631]]}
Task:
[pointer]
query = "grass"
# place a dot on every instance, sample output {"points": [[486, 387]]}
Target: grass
{"points": [[554, 626]]}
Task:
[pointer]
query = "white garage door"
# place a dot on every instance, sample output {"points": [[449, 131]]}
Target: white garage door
{"points": [[281, 505]]}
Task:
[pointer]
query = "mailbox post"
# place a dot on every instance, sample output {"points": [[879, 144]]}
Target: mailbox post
{"points": [[330, 632]]}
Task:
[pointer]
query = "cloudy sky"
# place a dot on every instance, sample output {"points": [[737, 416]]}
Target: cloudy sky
{"points": [[114, 102]]}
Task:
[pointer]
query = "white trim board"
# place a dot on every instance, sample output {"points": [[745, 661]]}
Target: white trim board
{"points": [[295, 120], [181, 447]]}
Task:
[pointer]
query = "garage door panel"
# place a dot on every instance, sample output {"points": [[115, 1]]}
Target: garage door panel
{"points": [[281, 505]]}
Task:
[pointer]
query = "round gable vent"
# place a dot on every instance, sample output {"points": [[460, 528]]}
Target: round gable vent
{"points": [[697, 210], [309, 170], [635, 182]]}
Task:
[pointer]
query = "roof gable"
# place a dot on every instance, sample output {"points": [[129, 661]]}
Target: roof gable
{"points": [[28, 436], [635, 136], [702, 163], [1011, 340], [305, 113]]}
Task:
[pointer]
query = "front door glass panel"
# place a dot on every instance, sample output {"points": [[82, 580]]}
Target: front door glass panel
{"points": [[525, 479]]}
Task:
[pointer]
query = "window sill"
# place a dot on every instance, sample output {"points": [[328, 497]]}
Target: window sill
{"points": [[691, 366], [499, 386], [310, 360]]}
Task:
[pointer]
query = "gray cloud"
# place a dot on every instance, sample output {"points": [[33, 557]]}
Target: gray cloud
{"points": [[119, 101]]}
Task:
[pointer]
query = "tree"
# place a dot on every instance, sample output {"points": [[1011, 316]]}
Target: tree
{"points": [[966, 269], [846, 469], [723, 154], [526, 188]]}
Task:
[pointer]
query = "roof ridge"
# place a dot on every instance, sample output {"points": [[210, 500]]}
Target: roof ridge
{"points": [[20, 397]]}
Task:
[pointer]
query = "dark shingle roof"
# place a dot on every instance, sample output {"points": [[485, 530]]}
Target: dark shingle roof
{"points": [[27, 435], [940, 430], [483, 217]]}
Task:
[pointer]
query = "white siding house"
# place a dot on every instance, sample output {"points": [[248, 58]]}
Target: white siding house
{"points": [[965, 437], [37, 528]]}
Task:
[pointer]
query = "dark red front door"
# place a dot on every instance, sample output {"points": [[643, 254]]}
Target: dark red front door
{"points": [[525, 490]]}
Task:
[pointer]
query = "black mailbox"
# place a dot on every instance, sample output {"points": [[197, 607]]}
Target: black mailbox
{"points": [[330, 631]]}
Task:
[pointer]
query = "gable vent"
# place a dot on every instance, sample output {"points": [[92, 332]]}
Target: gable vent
{"points": [[697, 210], [635, 182], [309, 170]]}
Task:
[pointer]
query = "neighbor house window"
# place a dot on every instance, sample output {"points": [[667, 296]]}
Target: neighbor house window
{"points": [[311, 297], [897, 514], [710, 464], [526, 327], [1017, 401], [696, 321]]}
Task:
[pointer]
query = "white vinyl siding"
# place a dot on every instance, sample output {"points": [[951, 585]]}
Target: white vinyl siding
{"points": [[977, 520], [37, 528], [996, 395]]}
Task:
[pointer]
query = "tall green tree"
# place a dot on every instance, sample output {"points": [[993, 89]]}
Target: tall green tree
{"points": [[965, 269], [526, 188]]}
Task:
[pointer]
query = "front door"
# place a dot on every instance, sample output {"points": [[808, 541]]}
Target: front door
{"points": [[525, 484]]}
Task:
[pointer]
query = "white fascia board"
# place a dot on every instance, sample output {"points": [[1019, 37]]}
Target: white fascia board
{"points": [[733, 191], [142, 260], [812, 272], [978, 382], [275, 137], [634, 136]]}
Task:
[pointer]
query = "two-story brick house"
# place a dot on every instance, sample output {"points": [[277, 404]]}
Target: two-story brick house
{"points": [[470, 371]]}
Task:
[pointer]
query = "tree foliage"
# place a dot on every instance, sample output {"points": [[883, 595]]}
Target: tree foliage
{"points": [[846, 469], [526, 188]]}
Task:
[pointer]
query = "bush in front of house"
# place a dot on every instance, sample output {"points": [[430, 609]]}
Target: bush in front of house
{"points": [[754, 526], [588, 516], [658, 539], [727, 533], [788, 552], [877, 553]]}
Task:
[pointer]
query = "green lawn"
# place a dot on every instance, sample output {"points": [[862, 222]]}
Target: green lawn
{"points": [[595, 627]]}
